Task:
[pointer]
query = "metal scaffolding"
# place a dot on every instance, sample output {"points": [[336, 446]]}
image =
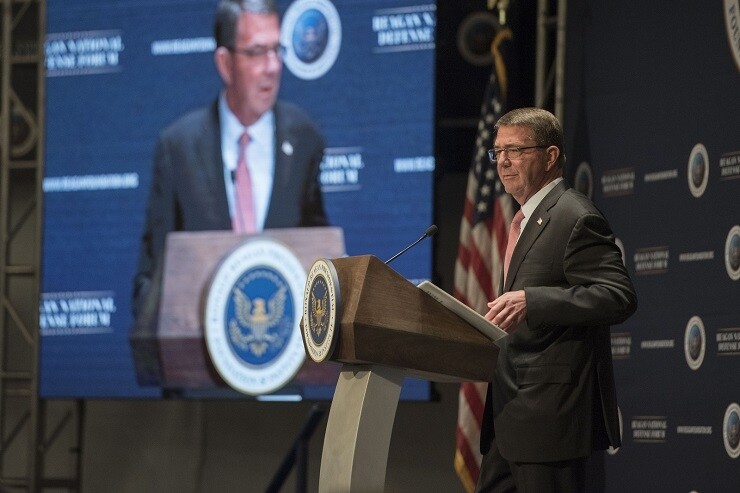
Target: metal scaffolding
{"points": [[29, 427], [550, 69]]}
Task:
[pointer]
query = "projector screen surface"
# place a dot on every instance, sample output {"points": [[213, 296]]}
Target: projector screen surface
{"points": [[119, 72]]}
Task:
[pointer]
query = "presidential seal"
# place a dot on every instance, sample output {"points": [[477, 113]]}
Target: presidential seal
{"points": [[321, 302], [731, 433], [694, 343], [251, 317], [311, 31]]}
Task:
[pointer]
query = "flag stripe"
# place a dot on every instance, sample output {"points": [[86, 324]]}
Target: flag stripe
{"points": [[474, 396], [464, 471]]}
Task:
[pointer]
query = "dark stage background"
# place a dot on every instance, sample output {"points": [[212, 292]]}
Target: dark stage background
{"points": [[118, 72], [653, 127]]}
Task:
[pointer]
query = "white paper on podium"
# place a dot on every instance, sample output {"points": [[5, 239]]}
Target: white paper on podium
{"points": [[490, 330]]}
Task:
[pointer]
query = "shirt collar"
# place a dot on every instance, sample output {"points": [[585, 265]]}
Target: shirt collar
{"points": [[232, 129], [531, 204]]}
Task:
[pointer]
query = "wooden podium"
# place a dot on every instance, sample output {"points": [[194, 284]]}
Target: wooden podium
{"points": [[387, 329], [168, 342]]}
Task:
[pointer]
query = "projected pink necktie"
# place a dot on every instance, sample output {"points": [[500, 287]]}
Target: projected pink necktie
{"points": [[514, 231], [244, 217]]}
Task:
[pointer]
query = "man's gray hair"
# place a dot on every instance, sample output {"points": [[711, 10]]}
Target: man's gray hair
{"points": [[227, 14], [545, 127]]}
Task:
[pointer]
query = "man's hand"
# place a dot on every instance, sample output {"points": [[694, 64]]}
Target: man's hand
{"points": [[508, 310]]}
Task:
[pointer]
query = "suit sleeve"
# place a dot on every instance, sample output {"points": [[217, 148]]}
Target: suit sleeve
{"points": [[160, 219], [594, 287], [312, 209]]}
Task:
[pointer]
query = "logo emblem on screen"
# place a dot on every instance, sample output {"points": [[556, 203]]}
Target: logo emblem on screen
{"points": [[320, 310], [312, 34], [251, 317]]}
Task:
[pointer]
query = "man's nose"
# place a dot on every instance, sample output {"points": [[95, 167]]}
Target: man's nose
{"points": [[274, 61]]}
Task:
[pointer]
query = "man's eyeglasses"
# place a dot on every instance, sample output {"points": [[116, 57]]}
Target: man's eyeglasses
{"points": [[260, 51], [511, 152]]}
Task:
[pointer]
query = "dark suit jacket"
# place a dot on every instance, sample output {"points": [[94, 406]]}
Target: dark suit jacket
{"points": [[188, 193], [553, 395]]}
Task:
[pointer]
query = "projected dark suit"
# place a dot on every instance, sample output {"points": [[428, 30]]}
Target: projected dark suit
{"points": [[188, 191]]}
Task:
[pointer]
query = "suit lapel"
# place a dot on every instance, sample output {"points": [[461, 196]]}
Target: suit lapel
{"points": [[283, 150], [284, 143], [536, 224], [209, 150]]}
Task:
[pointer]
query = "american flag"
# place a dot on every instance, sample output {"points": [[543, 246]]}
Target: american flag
{"points": [[483, 232]]}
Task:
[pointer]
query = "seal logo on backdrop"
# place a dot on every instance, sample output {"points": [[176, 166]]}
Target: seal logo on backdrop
{"points": [[731, 430], [732, 253], [321, 302], [584, 179], [694, 343], [251, 317], [475, 36], [698, 170], [732, 21], [311, 31]]}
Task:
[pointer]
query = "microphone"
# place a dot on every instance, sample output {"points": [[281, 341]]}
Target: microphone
{"points": [[431, 231]]}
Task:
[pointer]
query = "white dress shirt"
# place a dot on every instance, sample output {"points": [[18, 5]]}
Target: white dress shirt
{"points": [[531, 204]]}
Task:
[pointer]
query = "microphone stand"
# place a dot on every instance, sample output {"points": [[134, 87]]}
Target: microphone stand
{"points": [[431, 230]]}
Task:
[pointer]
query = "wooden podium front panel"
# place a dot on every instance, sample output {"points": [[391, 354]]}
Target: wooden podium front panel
{"points": [[387, 320], [190, 261]]}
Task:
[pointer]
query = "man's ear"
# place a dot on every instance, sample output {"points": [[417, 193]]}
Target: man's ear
{"points": [[222, 60], [553, 153]]}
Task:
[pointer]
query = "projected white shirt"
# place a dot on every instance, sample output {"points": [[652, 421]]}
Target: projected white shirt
{"points": [[260, 157]]}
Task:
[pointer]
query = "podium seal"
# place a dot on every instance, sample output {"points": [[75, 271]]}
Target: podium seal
{"points": [[321, 302], [251, 317]]}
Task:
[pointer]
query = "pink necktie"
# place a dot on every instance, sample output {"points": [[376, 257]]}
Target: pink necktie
{"points": [[514, 231], [244, 220]]}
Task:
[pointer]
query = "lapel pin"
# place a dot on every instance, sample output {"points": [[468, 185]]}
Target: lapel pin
{"points": [[539, 221], [287, 148]]}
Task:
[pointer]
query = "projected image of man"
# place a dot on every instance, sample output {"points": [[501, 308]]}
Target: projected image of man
{"points": [[247, 161]]}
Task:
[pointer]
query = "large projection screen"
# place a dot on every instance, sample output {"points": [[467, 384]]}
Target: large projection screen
{"points": [[118, 72]]}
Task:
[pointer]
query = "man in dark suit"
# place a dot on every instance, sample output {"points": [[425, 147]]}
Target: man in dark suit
{"points": [[552, 401], [193, 185]]}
